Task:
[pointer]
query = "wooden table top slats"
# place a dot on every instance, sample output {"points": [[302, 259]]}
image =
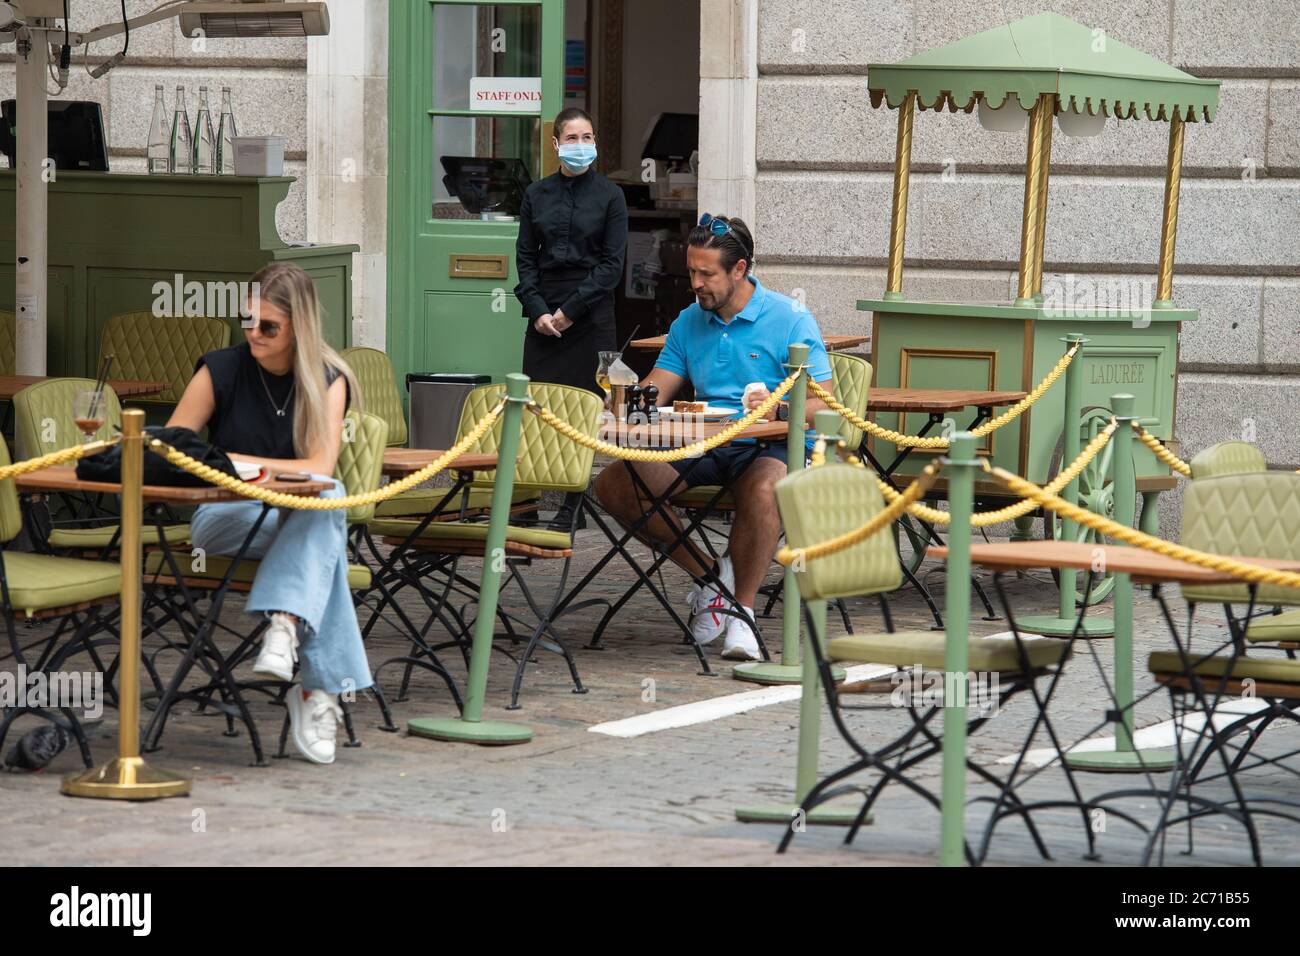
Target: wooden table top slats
{"points": [[834, 343], [65, 479], [1145, 566], [11, 385], [406, 461], [935, 399]]}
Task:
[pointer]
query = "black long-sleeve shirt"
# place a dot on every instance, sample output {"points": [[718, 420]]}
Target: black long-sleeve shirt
{"points": [[568, 224]]}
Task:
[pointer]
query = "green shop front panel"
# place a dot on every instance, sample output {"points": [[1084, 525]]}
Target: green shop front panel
{"points": [[486, 329], [995, 347]]}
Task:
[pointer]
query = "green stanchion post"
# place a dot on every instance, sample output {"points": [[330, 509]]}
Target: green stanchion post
{"points": [[960, 471], [1125, 757], [1063, 623], [787, 671], [470, 727], [810, 703]]}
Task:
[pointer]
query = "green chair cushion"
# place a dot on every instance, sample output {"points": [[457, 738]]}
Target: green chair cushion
{"points": [[473, 531], [95, 539], [215, 569], [420, 501], [375, 377], [1277, 670], [1275, 627], [40, 582], [926, 648], [701, 495], [156, 348]]}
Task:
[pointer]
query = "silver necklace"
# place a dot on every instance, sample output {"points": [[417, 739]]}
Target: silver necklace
{"points": [[279, 410]]}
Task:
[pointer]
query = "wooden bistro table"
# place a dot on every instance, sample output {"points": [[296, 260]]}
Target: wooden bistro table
{"points": [[11, 385], [833, 343], [666, 435], [198, 626], [1144, 567]]}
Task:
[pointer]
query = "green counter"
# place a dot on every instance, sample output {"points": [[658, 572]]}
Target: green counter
{"points": [[113, 237], [1006, 347]]}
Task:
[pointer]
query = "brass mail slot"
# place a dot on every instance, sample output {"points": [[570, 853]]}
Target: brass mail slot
{"points": [[479, 267]]}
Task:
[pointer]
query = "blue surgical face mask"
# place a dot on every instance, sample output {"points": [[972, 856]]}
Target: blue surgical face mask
{"points": [[577, 156]]}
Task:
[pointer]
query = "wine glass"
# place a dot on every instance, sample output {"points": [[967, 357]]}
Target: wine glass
{"points": [[88, 412], [602, 372]]}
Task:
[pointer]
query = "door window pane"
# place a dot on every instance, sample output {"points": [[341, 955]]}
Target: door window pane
{"points": [[481, 165], [481, 42]]}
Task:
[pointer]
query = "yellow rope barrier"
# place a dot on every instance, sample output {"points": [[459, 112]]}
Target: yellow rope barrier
{"points": [[1215, 562], [1164, 454], [912, 441], [303, 503], [788, 555], [674, 454], [59, 457]]}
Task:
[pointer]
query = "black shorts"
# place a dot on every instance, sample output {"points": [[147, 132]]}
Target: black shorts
{"points": [[725, 464]]}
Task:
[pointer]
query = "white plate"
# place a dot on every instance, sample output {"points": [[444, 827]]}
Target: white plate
{"points": [[711, 411]]}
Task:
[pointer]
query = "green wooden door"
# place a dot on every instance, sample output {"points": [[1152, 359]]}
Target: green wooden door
{"points": [[464, 84]]}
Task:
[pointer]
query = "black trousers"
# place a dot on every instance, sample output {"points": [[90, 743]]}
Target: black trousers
{"points": [[573, 357]]}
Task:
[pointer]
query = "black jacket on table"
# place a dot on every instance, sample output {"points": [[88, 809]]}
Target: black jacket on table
{"points": [[569, 224]]}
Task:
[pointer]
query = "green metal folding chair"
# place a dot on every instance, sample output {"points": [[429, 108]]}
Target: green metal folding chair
{"points": [[547, 462]]}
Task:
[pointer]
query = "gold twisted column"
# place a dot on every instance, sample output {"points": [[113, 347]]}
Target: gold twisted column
{"points": [[1029, 226], [1169, 226], [128, 776], [898, 212], [1044, 172]]}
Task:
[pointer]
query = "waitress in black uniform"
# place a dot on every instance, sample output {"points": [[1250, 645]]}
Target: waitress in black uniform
{"points": [[569, 256]]}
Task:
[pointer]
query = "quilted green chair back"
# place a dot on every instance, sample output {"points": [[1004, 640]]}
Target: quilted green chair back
{"points": [[1228, 458], [11, 516], [8, 344], [378, 386], [821, 503], [547, 460], [1246, 515], [154, 348], [850, 380], [361, 460], [43, 419]]}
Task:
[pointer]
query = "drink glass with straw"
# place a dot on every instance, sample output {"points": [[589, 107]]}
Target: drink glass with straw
{"points": [[88, 404]]}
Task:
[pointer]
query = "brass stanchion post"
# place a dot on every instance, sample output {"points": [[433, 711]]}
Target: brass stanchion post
{"points": [[127, 776]]}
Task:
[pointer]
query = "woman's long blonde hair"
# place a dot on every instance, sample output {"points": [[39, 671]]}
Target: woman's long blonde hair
{"points": [[290, 289]]}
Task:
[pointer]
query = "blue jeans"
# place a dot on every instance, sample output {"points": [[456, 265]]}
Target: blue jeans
{"points": [[304, 572]]}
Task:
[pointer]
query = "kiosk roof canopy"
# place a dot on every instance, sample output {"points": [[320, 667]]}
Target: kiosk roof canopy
{"points": [[1047, 53]]}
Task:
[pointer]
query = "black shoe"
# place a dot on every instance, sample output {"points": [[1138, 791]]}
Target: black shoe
{"points": [[36, 748], [563, 520]]}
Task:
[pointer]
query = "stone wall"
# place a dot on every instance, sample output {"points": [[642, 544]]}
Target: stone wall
{"points": [[824, 159]]}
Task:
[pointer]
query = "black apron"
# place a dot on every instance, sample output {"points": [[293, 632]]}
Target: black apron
{"points": [[572, 358]]}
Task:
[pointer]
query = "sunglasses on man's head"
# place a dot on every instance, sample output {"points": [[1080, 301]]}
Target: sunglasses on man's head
{"points": [[719, 227]]}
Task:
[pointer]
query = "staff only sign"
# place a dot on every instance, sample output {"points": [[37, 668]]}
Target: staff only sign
{"points": [[506, 94]]}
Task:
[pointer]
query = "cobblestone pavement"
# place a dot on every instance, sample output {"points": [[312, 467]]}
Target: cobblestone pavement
{"points": [[572, 796]]}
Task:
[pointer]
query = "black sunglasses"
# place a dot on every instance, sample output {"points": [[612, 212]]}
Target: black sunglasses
{"points": [[265, 327]]}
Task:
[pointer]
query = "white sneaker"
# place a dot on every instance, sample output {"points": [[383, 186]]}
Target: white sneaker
{"points": [[707, 602], [740, 643], [279, 649], [314, 719]]}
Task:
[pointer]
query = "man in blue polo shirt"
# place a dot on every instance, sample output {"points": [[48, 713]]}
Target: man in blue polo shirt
{"points": [[736, 333]]}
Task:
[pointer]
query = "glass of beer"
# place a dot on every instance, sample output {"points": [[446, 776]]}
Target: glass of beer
{"points": [[602, 372], [88, 412]]}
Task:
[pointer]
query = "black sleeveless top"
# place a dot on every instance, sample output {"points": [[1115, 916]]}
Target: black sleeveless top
{"points": [[245, 420]]}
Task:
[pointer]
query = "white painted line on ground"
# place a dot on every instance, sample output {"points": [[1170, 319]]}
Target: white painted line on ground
{"points": [[1154, 737], [715, 708]]}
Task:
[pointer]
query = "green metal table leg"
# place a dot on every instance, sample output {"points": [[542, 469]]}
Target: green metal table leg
{"points": [[960, 471], [471, 727], [1063, 623], [1125, 758]]}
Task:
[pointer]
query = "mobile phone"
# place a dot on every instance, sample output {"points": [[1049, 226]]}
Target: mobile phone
{"points": [[293, 476]]}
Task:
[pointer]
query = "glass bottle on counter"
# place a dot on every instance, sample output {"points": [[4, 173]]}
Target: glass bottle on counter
{"points": [[226, 136], [158, 147], [181, 153], [205, 145]]}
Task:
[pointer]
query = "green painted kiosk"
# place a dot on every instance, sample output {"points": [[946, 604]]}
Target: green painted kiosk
{"points": [[1024, 74]]}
